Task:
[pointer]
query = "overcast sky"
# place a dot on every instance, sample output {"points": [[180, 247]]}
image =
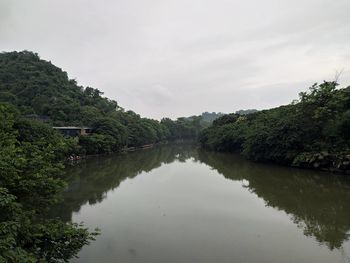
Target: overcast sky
{"points": [[182, 57]]}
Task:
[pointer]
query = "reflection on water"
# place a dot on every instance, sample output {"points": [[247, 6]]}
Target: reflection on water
{"points": [[92, 179], [182, 209], [319, 203]]}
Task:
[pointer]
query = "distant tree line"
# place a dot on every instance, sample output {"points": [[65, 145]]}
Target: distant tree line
{"points": [[313, 131], [246, 112]]}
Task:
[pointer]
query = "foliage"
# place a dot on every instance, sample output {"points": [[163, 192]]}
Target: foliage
{"points": [[208, 117], [30, 182], [302, 133], [246, 112], [97, 143], [36, 87]]}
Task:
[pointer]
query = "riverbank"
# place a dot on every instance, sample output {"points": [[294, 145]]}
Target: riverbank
{"points": [[312, 132], [74, 159]]}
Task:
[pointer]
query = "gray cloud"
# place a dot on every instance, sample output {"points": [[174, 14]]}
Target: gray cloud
{"points": [[173, 58]]}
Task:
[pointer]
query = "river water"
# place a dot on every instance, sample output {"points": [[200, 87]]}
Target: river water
{"points": [[178, 203]]}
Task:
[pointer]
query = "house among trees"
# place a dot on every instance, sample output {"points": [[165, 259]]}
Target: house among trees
{"points": [[71, 131]]}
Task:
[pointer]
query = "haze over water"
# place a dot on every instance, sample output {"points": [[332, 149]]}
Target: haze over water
{"points": [[178, 203]]}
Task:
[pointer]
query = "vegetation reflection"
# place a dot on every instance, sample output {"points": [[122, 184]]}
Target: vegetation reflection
{"points": [[319, 205]]}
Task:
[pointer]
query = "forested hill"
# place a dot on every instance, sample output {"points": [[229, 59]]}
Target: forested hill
{"points": [[38, 89], [35, 96], [313, 131]]}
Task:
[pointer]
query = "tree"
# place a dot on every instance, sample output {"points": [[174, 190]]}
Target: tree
{"points": [[311, 132], [30, 182]]}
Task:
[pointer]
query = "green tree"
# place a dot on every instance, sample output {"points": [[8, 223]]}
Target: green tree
{"points": [[30, 182]]}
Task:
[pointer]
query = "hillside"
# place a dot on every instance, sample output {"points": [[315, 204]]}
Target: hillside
{"points": [[38, 88], [35, 96]]}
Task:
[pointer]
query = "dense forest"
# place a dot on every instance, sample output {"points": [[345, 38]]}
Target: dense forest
{"points": [[35, 96], [42, 91], [312, 132], [31, 181]]}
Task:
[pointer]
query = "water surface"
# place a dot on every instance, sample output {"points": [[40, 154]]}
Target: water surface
{"points": [[177, 203]]}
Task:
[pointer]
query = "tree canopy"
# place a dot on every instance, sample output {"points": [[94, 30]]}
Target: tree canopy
{"points": [[30, 182], [38, 88], [310, 132]]}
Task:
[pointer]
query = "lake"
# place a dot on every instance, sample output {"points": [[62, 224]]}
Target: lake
{"points": [[179, 203]]}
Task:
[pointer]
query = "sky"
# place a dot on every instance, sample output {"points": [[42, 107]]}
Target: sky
{"points": [[172, 58]]}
